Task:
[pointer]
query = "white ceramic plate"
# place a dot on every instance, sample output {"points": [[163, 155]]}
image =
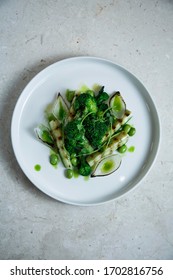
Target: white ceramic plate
{"points": [[29, 112]]}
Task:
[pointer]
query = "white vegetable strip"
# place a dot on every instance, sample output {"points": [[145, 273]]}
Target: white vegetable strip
{"points": [[71, 110], [57, 134]]}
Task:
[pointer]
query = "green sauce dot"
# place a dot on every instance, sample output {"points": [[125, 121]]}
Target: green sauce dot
{"points": [[107, 166], [37, 167], [131, 149], [86, 178], [75, 173]]}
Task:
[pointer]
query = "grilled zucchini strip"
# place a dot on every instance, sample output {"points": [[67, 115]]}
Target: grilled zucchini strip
{"points": [[58, 136], [71, 110]]}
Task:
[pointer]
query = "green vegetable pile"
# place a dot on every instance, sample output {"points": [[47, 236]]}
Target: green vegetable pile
{"points": [[84, 128]]}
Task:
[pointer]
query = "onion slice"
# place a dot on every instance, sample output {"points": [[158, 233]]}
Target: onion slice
{"points": [[60, 109], [118, 105], [43, 134], [107, 165]]}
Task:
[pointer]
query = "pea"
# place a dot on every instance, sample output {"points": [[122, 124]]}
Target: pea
{"points": [[74, 161], [122, 149], [132, 131], [127, 128], [69, 173], [73, 155], [53, 159]]}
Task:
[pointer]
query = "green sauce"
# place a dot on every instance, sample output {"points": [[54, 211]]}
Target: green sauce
{"points": [[108, 166], [117, 105], [75, 173], [46, 137], [131, 149], [37, 167], [86, 178]]}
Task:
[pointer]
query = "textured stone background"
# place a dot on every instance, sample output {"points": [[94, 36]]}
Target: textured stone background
{"points": [[139, 36]]}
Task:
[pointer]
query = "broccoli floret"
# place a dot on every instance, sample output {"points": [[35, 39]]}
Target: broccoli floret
{"points": [[85, 102], [73, 133], [95, 129], [85, 133], [90, 92], [74, 130], [102, 96], [74, 138], [102, 109], [84, 168], [70, 145]]}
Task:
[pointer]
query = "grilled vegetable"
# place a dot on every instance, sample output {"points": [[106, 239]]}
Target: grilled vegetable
{"points": [[118, 105], [44, 134], [87, 134], [72, 110], [58, 136], [60, 109], [107, 165]]}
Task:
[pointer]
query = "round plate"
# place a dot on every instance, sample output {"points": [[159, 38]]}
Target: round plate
{"points": [[29, 112]]}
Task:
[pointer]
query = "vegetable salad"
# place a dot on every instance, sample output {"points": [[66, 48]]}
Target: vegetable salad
{"points": [[88, 130]]}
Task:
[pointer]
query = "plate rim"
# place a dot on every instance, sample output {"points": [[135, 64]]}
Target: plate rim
{"points": [[22, 95]]}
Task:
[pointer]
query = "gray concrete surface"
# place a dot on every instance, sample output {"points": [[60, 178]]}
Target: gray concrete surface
{"points": [[139, 36]]}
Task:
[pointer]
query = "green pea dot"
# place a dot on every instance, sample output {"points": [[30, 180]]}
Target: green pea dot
{"points": [[74, 161], [53, 159], [37, 167], [73, 155], [132, 131], [69, 173], [122, 149]]}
